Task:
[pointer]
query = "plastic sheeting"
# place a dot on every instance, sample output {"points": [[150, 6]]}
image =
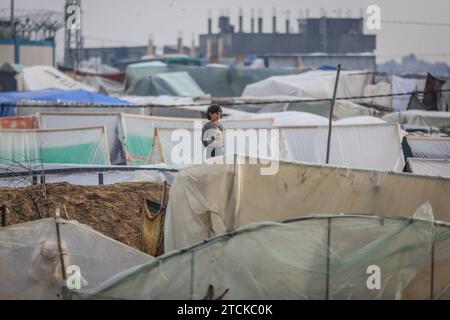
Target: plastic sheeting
{"points": [[341, 109], [46, 77], [207, 200], [429, 147], [25, 122], [138, 135], [219, 82], [31, 261], [111, 121], [326, 257], [402, 85], [360, 120], [374, 146], [17, 176], [422, 118], [78, 145], [430, 167], [381, 88], [313, 84]]}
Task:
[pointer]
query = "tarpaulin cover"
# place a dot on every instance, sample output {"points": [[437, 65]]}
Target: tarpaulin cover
{"points": [[423, 118], [47, 77], [319, 257], [25, 122], [111, 121], [78, 145], [219, 82], [430, 97], [402, 85], [371, 146], [381, 88], [138, 134], [430, 167], [429, 147], [14, 176], [312, 84], [209, 199], [30, 260]]}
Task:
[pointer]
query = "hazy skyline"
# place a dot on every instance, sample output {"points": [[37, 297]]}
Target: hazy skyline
{"points": [[130, 23]]}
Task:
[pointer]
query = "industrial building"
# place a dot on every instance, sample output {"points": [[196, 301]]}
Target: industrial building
{"points": [[331, 40]]}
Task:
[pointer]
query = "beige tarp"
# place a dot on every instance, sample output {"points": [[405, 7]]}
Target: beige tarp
{"points": [[206, 200]]}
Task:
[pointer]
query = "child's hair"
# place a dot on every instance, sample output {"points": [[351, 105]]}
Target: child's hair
{"points": [[213, 109]]}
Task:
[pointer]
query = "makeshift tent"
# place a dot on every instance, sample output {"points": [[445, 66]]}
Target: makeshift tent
{"points": [[341, 109], [430, 167], [86, 145], [19, 176], [360, 120], [318, 257], [402, 86], [431, 147], [172, 84], [423, 118], [381, 88], [111, 121], [219, 82], [288, 118], [33, 258], [25, 122], [430, 96], [47, 77], [138, 134], [444, 97], [209, 199], [50, 97], [8, 72], [312, 84], [370, 146], [415, 103]]}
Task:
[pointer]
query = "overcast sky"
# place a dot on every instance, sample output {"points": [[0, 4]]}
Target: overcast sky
{"points": [[116, 23]]}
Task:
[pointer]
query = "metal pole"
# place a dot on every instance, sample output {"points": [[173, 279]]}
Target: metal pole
{"points": [[331, 112]]}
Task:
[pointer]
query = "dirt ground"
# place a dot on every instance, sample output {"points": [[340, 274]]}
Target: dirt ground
{"points": [[113, 210]]}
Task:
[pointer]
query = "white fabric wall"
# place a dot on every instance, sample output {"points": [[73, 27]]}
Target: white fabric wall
{"points": [[356, 146], [430, 167]]}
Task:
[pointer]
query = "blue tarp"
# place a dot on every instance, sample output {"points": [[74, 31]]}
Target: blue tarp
{"points": [[8, 100]]}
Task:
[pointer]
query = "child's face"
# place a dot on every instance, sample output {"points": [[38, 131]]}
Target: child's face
{"points": [[215, 116]]}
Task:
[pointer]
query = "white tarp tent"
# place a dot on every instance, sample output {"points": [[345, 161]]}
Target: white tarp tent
{"points": [[86, 145], [374, 146], [207, 200], [402, 85], [47, 77], [111, 121], [22, 176], [430, 167], [313, 84], [317, 257], [31, 262]]}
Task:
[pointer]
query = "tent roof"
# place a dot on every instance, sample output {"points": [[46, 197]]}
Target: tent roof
{"points": [[58, 95]]}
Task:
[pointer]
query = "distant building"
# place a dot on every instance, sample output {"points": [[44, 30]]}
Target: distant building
{"points": [[334, 36]]}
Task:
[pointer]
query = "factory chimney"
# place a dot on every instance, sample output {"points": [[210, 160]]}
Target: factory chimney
{"points": [[287, 21], [274, 20], [209, 22], [241, 19], [180, 42], [260, 21], [252, 21]]}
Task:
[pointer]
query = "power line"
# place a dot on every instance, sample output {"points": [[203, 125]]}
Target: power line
{"points": [[418, 23]]}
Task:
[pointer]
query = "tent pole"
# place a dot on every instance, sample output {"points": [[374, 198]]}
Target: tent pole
{"points": [[331, 113]]}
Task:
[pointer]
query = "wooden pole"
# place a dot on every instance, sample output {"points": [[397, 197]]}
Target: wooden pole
{"points": [[331, 112]]}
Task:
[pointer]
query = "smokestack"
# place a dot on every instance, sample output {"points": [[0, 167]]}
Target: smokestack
{"points": [[180, 42], [260, 21], [240, 20], [252, 21], [193, 53], [274, 20], [209, 22], [287, 21], [151, 46]]}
